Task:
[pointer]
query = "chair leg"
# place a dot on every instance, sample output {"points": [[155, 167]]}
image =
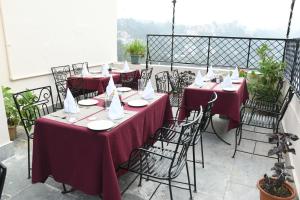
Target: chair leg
{"points": [[240, 129], [194, 169], [28, 154], [170, 189], [189, 181], [236, 142], [202, 153], [140, 182]]}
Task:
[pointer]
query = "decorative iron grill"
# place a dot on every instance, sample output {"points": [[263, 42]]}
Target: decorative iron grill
{"points": [[296, 71], [210, 50]]}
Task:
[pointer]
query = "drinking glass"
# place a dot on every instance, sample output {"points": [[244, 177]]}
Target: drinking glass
{"points": [[140, 86]]}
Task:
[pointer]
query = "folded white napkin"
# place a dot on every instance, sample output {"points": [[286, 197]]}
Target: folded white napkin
{"points": [[105, 71], [116, 111], [148, 93], [199, 80], [84, 71], [235, 74], [227, 82], [210, 74], [70, 105], [126, 66], [110, 87]]}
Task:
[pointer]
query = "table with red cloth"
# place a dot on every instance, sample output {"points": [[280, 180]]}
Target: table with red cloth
{"points": [[96, 82], [87, 160], [228, 103]]}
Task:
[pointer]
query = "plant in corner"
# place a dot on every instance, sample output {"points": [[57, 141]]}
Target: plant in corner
{"points": [[276, 187], [136, 49], [270, 72], [11, 111]]}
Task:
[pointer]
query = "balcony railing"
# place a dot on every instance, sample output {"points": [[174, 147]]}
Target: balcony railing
{"points": [[223, 52]]}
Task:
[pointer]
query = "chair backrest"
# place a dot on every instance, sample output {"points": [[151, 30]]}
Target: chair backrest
{"points": [[129, 79], [187, 134], [207, 111], [146, 75], [286, 101], [61, 75], [2, 177], [187, 78], [77, 67], [32, 104], [173, 77], [162, 83]]}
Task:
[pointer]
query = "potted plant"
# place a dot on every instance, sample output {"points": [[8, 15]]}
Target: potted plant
{"points": [[270, 72], [277, 186], [136, 49], [12, 114]]}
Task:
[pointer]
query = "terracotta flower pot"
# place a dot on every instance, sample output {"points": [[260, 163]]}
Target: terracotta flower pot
{"points": [[12, 132], [266, 196]]}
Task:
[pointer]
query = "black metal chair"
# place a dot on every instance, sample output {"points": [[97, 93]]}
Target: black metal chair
{"points": [[61, 75], [170, 137], [31, 105], [146, 75], [129, 79], [269, 119], [2, 177], [165, 164], [272, 104], [186, 78], [77, 67]]}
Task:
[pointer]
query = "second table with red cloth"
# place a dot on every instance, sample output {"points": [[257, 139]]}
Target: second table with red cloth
{"points": [[228, 103], [97, 83], [87, 160]]}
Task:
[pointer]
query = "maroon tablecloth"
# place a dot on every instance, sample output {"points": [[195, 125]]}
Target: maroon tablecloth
{"points": [[96, 83], [86, 159], [228, 103]]}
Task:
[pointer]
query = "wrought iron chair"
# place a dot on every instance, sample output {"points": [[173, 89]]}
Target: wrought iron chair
{"points": [[61, 75], [269, 119], [77, 67], [146, 75], [272, 104], [170, 137], [186, 78], [2, 177], [129, 79], [31, 105], [165, 164]]}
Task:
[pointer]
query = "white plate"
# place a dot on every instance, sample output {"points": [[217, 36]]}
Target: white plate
{"points": [[100, 125], [236, 81], [87, 102], [123, 89], [229, 89], [138, 103]]}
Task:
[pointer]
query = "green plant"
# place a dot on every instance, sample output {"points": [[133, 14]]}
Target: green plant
{"points": [[136, 47], [271, 72], [12, 114]]}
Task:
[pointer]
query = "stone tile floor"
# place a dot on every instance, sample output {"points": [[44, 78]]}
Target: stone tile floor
{"points": [[223, 177]]}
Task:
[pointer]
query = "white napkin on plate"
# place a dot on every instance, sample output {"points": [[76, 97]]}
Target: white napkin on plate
{"points": [[105, 71], [84, 71], [210, 74], [110, 87], [148, 93], [227, 82], [116, 111], [235, 74], [126, 66], [199, 79], [70, 105]]}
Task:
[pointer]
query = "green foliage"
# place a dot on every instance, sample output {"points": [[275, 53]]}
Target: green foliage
{"points": [[12, 114], [136, 47], [271, 72]]}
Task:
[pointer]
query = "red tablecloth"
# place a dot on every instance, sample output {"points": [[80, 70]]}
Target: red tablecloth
{"points": [[87, 159], [96, 83], [228, 103]]}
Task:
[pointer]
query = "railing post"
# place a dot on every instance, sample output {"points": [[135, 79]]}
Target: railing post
{"points": [[284, 49], [295, 61], [208, 54], [147, 54], [248, 55]]}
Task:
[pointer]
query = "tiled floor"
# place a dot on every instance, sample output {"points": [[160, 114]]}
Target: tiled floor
{"points": [[223, 177]]}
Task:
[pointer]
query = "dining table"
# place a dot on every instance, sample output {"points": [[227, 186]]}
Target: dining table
{"points": [[67, 148], [98, 81], [228, 102]]}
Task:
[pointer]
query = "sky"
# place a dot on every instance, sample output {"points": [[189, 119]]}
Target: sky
{"points": [[253, 14]]}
